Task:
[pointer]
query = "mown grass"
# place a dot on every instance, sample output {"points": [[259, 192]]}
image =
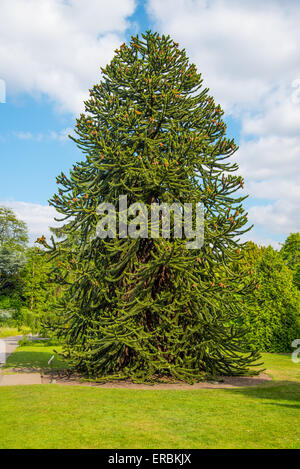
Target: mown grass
{"points": [[12, 331], [55, 416], [35, 356], [280, 366]]}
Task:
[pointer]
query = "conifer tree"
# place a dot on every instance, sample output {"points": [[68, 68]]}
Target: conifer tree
{"points": [[148, 308]]}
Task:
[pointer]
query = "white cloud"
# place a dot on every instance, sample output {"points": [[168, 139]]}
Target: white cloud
{"points": [[279, 113], [37, 217], [248, 53], [269, 158], [271, 165], [61, 136], [24, 135], [242, 48], [282, 216], [260, 239], [56, 47]]}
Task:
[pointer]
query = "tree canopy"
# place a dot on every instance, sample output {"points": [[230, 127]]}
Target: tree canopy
{"points": [[291, 254], [13, 239], [272, 312]]}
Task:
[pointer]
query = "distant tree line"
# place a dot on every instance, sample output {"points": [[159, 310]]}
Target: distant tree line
{"points": [[26, 295]]}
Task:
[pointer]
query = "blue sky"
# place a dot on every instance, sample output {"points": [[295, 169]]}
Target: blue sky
{"points": [[247, 52]]}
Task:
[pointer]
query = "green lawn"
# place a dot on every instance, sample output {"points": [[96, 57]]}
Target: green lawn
{"points": [[13, 331], [280, 367], [35, 356], [54, 416]]}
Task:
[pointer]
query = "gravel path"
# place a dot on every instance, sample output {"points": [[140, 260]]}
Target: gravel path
{"points": [[11, 343]]}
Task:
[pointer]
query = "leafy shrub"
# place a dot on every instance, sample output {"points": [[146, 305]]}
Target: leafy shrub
{"points": [[9, 309], [272, 312]]}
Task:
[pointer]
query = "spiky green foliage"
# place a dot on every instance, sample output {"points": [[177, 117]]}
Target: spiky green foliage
{"points": [[146, 308]]}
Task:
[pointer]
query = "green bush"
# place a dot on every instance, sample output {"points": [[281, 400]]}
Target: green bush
{"points": [[24, 341], [272, 312], [9, 310]]}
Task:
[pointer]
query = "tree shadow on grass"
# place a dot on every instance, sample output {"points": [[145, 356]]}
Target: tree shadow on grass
{"points": [[275, 391], [289, 406]]}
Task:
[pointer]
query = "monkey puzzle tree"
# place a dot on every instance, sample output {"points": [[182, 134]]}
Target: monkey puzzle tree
{"points": [[144, 308]]}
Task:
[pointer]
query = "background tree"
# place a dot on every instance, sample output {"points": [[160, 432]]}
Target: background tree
{"points": [[272, 312], [145, 308], [37, 294], [13, 239], [12, 231], [291, 254]]}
